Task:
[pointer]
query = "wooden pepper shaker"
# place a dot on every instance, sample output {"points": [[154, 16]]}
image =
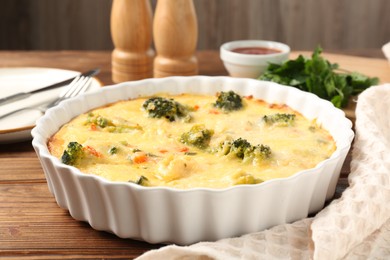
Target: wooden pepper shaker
{"points": [[131, 31], [175, 32]]}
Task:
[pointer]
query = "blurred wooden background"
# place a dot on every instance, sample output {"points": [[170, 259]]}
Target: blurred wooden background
{"points": [[303, 24]]}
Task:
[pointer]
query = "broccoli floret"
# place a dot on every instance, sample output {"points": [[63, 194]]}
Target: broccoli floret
{"points": [[108, 125], [242, 149], [99, 120], [244, 178], [228, 101], [279, 119], [113, 150], [142, 180], [257, 153], [124, 128], [72, 153], [159, 107], [198, 136]]}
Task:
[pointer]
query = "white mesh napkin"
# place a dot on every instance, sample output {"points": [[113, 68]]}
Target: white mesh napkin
{"points": [[356, 226]]}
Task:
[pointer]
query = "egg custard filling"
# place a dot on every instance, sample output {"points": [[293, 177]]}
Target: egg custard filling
{"points": [[187, 141]]}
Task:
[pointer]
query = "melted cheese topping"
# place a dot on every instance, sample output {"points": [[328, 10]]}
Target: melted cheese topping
{"points": [[138, 148]]}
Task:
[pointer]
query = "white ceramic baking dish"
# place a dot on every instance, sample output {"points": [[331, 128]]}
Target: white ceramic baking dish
{"points": [[167, 215]]}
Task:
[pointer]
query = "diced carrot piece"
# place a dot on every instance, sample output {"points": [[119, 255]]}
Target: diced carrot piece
{"points": [[214, 112], [279, 106], [162, 150], [140, 157], [329, 137], [93, 151], [184, 149], [93, 127], [196, 107]]}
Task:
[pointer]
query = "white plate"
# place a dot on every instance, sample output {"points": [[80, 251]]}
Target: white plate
{"points": [[17, 127]]}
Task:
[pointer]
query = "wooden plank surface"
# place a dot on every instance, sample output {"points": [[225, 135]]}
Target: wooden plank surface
{"points": [[32, 226]]}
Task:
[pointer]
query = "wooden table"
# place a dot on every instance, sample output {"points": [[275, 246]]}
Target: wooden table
{"points": [[31, 223]]}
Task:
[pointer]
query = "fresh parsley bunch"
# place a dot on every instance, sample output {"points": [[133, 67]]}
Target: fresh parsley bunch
{"points": [[319, 76]]}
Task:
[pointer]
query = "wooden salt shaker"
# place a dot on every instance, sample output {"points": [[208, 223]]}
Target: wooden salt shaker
{"points": [[131, 31], [175, 32]]}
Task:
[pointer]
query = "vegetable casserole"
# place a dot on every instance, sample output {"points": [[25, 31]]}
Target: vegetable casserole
{"points": [[192, 140]]}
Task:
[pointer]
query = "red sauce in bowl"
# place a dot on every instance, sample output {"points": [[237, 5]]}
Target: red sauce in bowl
{"points": [[256, 50]]}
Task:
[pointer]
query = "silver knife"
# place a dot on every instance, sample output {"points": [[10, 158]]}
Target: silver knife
{"points": [[22, 95]]}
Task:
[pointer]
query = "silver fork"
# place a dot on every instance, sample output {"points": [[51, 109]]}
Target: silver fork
{"points": [[78, 86]]}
